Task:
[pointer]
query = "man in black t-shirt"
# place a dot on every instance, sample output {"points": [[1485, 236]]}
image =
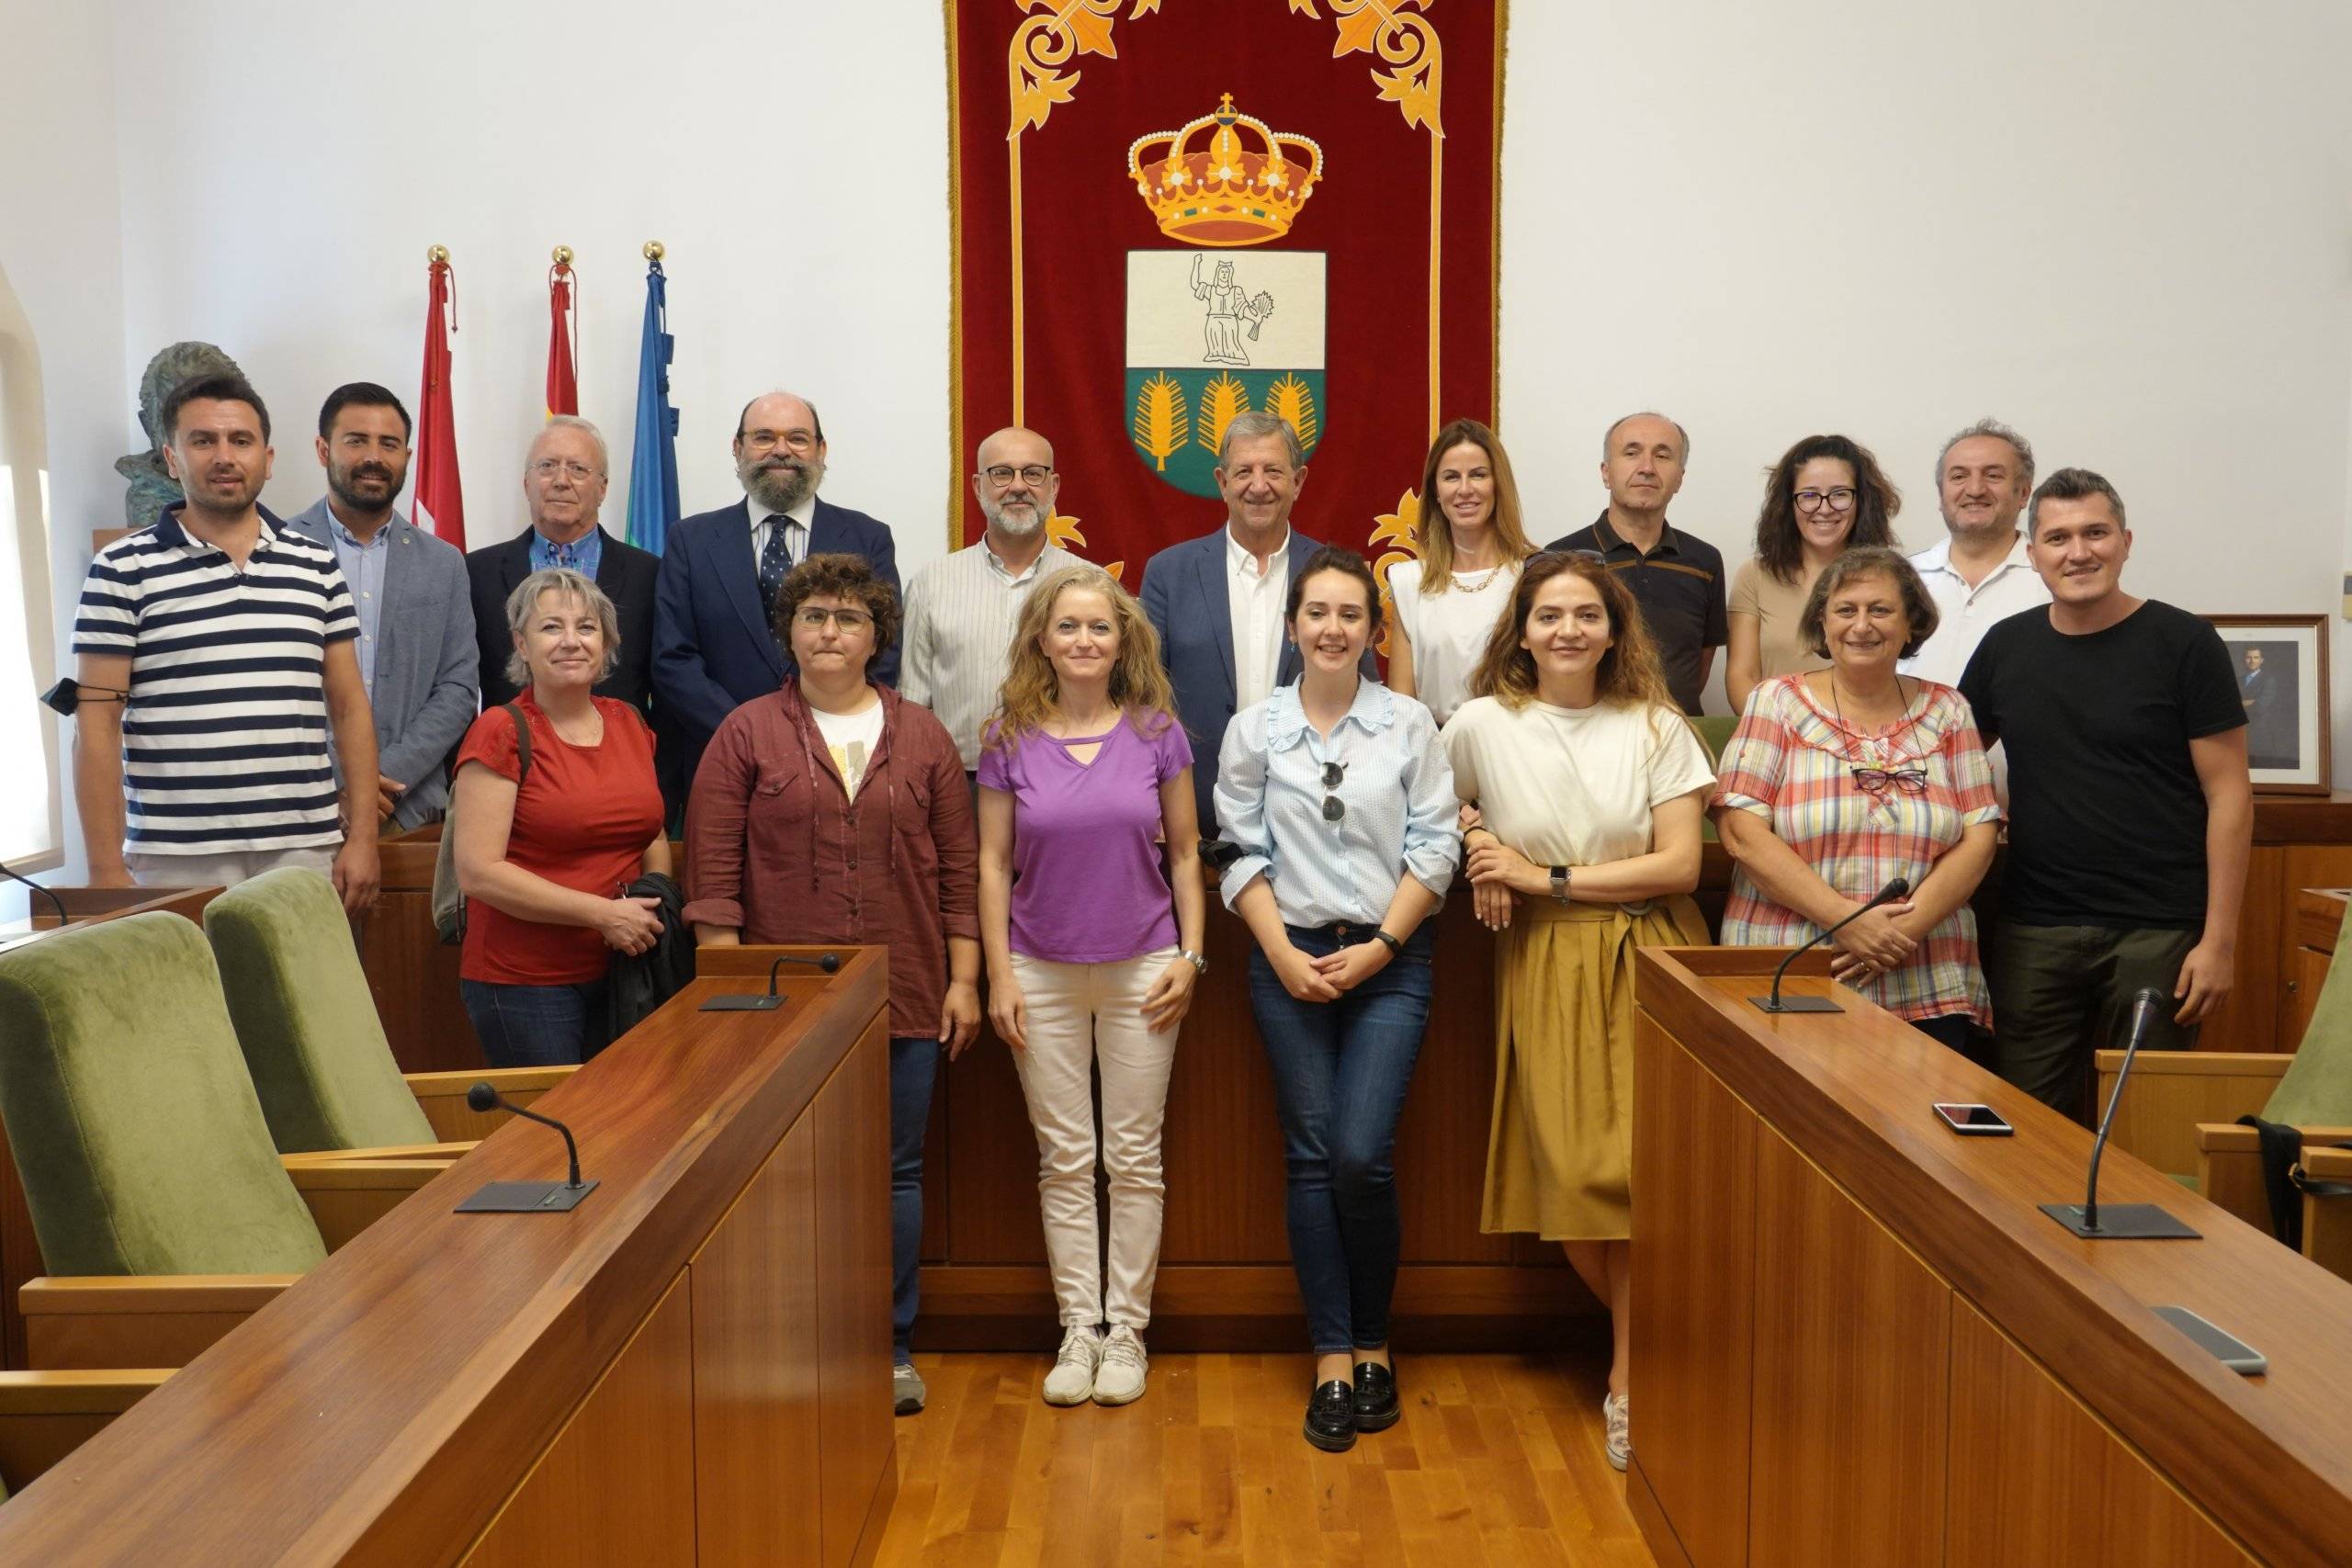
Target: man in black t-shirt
{"points": [[2131, 816]]}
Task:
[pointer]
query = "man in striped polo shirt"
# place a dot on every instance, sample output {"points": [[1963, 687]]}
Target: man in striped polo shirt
{"points": [[232, 639]]}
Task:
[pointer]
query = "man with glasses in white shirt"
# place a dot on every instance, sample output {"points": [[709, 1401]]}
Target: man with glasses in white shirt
{"points": [[713, 648], [961, 608]]}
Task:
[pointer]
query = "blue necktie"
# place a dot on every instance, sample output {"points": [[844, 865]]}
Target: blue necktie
{"points": [[563, 555], [776, 560]]}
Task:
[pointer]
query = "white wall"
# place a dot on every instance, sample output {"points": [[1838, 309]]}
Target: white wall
{"points": [[60, 245], [792, 156], [2124, 227]]}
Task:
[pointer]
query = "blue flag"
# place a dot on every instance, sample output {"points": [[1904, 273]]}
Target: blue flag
{"points": [[653, 464]]}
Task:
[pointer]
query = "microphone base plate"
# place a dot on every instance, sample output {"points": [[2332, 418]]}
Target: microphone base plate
{"points": [[2121, 1221], [524, 1198], [740, 1002], [1797, 1004]]}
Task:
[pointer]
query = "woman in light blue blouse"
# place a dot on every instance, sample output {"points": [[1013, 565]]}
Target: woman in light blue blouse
{"points": [[1339, 802]]}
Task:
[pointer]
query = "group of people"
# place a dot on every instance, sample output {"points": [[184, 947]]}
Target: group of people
{"points": [[1015, 772]]}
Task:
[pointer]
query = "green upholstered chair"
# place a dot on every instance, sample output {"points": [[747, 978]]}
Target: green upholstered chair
{"points": [[304, 1016], [2180, 1113], [1714, 732], [135, 1128]]}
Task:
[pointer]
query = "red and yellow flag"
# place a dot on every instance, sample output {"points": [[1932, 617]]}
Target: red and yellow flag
{"points": [[563, 332], [438, 499]]}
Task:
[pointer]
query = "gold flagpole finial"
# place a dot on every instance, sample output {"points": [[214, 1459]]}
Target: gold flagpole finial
{"points": [[563, 256], [436, 254], [655, 250]]}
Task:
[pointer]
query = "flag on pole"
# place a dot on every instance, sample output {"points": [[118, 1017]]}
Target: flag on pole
{"points": [[653, 459], [563, 324], [439, 503]]}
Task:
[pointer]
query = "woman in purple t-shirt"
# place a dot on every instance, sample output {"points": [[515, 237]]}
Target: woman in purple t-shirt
{"points": [[1084, 774]]}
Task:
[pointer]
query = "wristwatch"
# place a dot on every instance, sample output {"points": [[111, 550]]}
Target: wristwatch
{"points": [[1560, 883], [1200, 965], [1395, 949]]}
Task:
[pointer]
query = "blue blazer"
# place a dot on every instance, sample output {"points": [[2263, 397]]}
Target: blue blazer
{"points": [[1184, 594], [712, 648]]}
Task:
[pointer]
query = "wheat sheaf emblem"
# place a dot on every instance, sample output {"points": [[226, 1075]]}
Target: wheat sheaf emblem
{"points": [[1161, 421]]}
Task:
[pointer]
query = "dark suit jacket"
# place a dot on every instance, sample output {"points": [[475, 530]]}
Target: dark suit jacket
{"points": [[712, 648], [1184, 594], [626, 574]]}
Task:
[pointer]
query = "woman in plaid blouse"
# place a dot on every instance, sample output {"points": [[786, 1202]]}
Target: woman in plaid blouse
{"points": [[1839, 781]]}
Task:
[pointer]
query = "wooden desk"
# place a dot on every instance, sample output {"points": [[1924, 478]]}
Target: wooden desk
{"points": [[1857, 1340], [693, 1366]]}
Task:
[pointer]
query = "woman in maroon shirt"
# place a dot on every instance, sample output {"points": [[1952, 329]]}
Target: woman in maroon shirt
{"points": [[542, 856], [836, 811]]}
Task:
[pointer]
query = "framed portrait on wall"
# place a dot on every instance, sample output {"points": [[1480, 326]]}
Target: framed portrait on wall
{"points": [[2279, 663]]}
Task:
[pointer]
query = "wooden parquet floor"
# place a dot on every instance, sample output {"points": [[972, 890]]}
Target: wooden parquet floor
{"points": [[1498, 1461]]}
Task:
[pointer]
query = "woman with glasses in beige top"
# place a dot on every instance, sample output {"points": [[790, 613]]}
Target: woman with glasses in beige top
{"points": [[1826, 496]]}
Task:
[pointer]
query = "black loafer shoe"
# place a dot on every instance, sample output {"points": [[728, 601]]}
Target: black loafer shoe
{"points": [[1331, 1417], [1375, 1397]]}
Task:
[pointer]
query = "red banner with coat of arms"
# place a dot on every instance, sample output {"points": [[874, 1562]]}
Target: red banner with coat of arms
{"points": [[1169, 211]]}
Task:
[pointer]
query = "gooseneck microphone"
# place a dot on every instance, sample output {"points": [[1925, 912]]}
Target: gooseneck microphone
{"points": [[62, 917], [1774, 1003], [526, 1196], [830, 963], [2121, 1221]]}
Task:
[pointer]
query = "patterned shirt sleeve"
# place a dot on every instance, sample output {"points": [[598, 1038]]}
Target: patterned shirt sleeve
{"points": [[1971, 769], [1749, 775], [342, 616]]}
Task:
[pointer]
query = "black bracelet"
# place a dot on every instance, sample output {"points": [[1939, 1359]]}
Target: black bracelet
{"points": [[1395, 948]]}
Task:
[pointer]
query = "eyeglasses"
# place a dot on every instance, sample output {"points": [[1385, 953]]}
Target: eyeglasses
{"points": [[814, 619], [768, 441], [547, 468], [1334, 807], [1577, 554], [1874, 782], [1839, 499], [1003, 474]]}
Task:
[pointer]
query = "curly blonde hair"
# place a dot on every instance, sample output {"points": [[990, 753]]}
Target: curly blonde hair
{"points": [[1630, 673], [1032, 692]]}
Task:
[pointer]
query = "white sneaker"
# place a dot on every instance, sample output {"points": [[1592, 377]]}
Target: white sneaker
{"points": [[1119, 1380], [1072, 1379], [1617, 1410]]}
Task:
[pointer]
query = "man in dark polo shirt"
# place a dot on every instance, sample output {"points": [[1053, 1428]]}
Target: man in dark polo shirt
{"points": [[1678, 580]]}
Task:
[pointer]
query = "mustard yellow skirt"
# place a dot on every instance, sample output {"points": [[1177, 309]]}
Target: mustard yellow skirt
{"points": [[1560, 1155]]}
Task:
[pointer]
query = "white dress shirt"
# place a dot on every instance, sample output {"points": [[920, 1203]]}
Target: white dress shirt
{"points": [[1255, 595], [1964, 613], [796, 522]]}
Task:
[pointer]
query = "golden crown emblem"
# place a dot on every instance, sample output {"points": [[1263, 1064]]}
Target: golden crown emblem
{"points": [[1226, 192]]}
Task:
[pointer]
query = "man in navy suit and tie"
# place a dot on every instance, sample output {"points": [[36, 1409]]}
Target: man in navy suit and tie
{"points": [[1217, 601], [714, 648]]}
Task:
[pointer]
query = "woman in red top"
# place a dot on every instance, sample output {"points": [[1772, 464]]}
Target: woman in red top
{"points": [[542, 856], [835, 811]]}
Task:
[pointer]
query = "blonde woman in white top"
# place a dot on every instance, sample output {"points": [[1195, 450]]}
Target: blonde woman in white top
{"points": [[1472, 545]]}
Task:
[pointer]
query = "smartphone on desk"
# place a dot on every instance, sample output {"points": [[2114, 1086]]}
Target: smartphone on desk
{"points": [[1974, 1120]]}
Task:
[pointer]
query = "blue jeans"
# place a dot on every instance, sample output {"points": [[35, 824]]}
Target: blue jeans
{"points": [[536, 1026], [915, 1066], [1341, 1072]]}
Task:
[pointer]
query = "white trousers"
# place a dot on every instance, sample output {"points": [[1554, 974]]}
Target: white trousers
{"points": [[1082, 1017], [151, 869]]}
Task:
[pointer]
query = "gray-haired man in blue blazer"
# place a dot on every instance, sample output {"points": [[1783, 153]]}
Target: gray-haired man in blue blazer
{"points": [[1217, 600], [417, 653]]}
